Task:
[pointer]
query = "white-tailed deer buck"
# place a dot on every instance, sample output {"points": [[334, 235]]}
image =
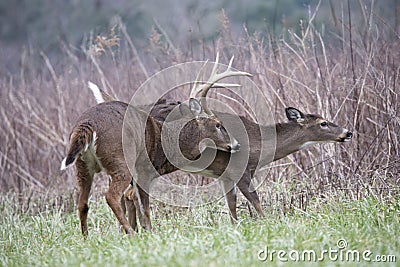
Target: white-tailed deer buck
{"points": [[98, 140], [299, 132]]}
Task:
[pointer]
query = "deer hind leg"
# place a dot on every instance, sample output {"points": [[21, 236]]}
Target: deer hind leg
{"points": [[130, 202], [244, 185], [120, 181], [84, 179], [229, 189]]}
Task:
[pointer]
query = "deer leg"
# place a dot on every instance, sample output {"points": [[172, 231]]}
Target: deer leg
{"points": [[84, 180], [120, 181], [143, 204], [231, 200], [132, 214], [123, 206], [228, 186], [131, 201], [251, 195]]}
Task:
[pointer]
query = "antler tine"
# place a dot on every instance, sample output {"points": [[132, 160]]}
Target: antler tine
{"points": [[230, 62], [215, 77], [214, 70], [212, 81], [194, 92], [197, 88]]}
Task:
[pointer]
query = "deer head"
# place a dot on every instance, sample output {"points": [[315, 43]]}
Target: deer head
{"points": [[316, 129], [202, 88], [204, 128]]}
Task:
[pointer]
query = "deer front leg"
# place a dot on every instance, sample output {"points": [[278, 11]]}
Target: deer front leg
{"points": [[130, 201], [251, 195], [141, 188], [228, 187]]}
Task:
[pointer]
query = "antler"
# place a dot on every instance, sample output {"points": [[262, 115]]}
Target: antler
{"points": [[212, 81]]}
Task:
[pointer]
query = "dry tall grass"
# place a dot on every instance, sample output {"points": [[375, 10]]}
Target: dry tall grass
{"points": [[352, 79]]}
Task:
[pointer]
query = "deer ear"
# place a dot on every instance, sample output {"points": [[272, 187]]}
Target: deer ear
{"points": [[294, 115], [195, 106]]}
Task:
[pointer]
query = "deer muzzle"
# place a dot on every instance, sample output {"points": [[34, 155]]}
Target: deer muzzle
{"points": [[234, 147], [347, 136]]}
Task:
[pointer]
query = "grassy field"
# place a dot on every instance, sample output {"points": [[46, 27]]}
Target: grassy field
{"points": [[204, 237]]}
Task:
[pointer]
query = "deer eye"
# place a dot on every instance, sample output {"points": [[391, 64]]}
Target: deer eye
{"points": [[218, 126], [324, 124]]}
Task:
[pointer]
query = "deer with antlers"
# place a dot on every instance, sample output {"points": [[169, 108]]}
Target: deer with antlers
{"points": [[276, 141], [98, 141]]}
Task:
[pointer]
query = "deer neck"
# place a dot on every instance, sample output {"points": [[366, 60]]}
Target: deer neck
{"points": [[189, 140], [186, 144], [153, 143], [290, 138]]}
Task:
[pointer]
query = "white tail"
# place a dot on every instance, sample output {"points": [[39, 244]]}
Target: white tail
{"points": [[96, 92], [63, 164]]}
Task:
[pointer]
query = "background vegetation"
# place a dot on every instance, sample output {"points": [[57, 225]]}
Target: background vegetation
{"points": [[43, 25], [335, 58]]}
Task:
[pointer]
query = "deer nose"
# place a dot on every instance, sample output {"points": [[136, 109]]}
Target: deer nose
{"points": [[349, 134], [233, 148], [237, 147]]}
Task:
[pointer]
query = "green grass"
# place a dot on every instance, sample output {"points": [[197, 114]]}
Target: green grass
{"points": [[197, 237]]}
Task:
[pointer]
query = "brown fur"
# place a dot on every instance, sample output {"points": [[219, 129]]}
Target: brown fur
{"points": [[140, 138]]}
